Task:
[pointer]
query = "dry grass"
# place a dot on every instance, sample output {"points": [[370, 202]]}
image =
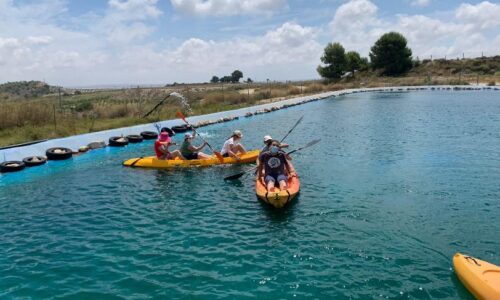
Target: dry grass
{"points": [[27, 120]]}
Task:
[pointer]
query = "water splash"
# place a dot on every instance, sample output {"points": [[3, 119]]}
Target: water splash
{"points": [[183, 100]]}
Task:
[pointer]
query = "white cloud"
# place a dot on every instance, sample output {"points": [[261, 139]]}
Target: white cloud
{"points": [[420, 2], [135, 9], [228, 7], [357, 26], [115, 46], [39, 40], [484, 14], [288, 47]]}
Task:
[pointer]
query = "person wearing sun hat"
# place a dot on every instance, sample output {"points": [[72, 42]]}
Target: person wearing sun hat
{"points": [[232, 147], [191, 152], [161, 147]]}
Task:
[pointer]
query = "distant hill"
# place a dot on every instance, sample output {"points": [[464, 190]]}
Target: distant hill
{"points": [[479, 65], [25, 89]]}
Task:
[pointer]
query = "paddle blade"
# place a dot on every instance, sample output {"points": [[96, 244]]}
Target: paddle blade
{"points": [[235, 176], [181, 116], [312, 143]]}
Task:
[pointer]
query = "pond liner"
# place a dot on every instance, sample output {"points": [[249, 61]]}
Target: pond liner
{"points": [[23, 144]]}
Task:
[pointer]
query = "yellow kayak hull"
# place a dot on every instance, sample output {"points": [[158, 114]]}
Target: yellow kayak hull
{"points": [[481, 278], [278, 198], [155, 163]]}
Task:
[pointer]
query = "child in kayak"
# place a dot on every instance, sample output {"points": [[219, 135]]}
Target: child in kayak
{"points": [[191, 152], [276, 166], [268, 140], [161, 147], [233, 147]]}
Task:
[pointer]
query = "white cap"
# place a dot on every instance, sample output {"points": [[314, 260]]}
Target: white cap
{"points": [[188, 135], [267, 138], [237, 133]]}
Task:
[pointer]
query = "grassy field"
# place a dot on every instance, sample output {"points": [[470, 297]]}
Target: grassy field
{"points": [[25, 117]]}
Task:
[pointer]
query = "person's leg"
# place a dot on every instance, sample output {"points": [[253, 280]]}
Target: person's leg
{"points": [[202, 155], [239, 149], [270, 183], [283, 182], [177, 154]]}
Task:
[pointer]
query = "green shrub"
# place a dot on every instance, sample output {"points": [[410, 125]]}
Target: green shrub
{"points": [[84, 106]]}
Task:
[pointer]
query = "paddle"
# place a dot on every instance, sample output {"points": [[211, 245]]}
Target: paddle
{"points": [[217, 154], [297, 123], [236, 176], [156, 106]]}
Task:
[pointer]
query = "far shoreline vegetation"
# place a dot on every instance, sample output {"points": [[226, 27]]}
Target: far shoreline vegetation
{"points": [[34, 110]]}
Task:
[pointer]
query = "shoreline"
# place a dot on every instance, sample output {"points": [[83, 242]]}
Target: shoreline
{"points": [[76, 141]]}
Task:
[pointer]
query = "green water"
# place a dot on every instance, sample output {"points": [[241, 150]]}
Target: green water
{"points": [[399, 183]]}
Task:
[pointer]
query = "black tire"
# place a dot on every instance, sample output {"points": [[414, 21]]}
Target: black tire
{"points": [[118, 141], [12, 166], [33, 161], [168, 130], [58, 153], [134, 138], [149, 135], [181, 128]]}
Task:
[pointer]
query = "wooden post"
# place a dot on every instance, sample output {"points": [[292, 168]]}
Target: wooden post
{"points": [[55, 121]]}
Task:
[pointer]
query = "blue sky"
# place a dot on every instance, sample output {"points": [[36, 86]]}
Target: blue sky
{"points": [[94, 42]]}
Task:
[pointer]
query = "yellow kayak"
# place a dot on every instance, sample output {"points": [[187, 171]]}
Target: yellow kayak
{"points": [[155, 163], [481, 278]]}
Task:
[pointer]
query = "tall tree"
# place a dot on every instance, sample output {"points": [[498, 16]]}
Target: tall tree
{"points": [[334, 60], [353, 61], [214, 79], [391, 54], [226, 79], [236, 76]]}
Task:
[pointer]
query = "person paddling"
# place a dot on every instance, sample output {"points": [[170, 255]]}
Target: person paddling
{"points": [[161, 147], [276, 166], [232, 147], [268, 140], [191, 152]]}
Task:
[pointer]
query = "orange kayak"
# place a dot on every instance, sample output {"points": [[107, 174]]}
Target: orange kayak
{"points": [[278, 198], [481, 278]]}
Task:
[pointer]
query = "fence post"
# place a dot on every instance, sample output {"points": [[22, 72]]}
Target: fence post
{"points": [[55, 122]]}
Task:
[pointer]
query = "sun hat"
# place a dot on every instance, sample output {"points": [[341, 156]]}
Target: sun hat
{"points": [[188, 135], [238, 133], [267, 138], [164, 137]]}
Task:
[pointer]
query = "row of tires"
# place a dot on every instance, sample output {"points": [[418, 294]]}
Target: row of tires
{"points": [[120, 141], [61, 153]]}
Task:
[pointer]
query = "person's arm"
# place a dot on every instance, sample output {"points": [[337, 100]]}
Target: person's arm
{"points": [[259, 170], [196, 149], [290, 168], [231, 153], [284, 145], [163, 149]]}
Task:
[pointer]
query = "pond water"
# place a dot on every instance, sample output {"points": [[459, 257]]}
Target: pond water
{"points": [[399, 183]]}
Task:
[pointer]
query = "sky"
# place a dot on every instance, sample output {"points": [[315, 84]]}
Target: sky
{"points": [[104, 42]]}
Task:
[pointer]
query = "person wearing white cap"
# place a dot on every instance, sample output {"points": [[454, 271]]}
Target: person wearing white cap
{"points": [[268, 140], [232, 147], [191, 152]]}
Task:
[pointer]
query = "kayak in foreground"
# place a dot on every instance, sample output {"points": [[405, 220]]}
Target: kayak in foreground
{"points": [[155, 163], [278, 198], [481, 278]]}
